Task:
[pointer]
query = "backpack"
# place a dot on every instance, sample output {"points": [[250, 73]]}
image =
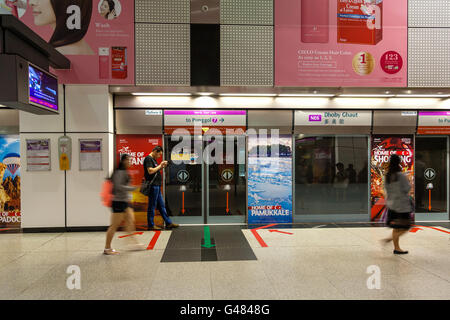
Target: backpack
{"points": [[107, 193]]}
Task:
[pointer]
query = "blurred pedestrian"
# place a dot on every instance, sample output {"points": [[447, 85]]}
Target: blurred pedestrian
{"points": [[399, 203], [121, 208]]}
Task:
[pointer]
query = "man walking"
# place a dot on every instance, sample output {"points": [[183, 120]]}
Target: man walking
{"points": [[155, 199]]}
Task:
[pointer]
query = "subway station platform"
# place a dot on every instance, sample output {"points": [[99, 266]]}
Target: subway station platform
{"points": [[218, 262]]}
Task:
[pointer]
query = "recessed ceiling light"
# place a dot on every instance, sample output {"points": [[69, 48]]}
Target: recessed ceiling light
{"points": [[366, 95], [159, 94], [422, 95], [247, 94], [306, 95]]}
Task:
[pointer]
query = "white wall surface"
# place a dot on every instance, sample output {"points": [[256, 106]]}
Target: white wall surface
{"points": [[88, 108], [84, 206], [89, 115], [42, 192]]}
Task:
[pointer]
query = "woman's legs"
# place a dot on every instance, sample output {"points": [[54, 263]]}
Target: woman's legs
{"points": [[396, 234], [130, 224], [116, 220]]}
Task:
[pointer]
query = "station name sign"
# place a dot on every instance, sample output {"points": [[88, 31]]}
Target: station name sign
{"points": [[333, 118]]}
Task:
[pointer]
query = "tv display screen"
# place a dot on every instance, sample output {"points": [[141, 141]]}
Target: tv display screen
{"points": [[43, 89]]}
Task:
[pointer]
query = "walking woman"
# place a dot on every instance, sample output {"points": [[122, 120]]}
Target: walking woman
{"points": [[399, 203], [121, 208]]}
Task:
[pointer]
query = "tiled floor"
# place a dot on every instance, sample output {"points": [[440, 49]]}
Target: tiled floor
{"points": [[310, 263]]}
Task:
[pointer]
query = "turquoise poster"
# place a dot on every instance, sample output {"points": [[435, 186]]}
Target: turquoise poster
{"points": [[9, 182], [270, 179]]}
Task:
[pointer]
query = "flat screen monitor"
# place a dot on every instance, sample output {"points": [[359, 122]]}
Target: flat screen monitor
{"points": [[43, 89]]}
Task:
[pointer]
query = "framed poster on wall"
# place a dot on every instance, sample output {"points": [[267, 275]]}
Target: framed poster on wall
{"points": [[10, 212], [91, 155], [38, 155], [270, 180], [382, 149], [341, 43]]}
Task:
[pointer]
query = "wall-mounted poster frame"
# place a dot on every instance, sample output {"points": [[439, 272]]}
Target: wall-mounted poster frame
{"points": [[38, 155], [90, 155]]}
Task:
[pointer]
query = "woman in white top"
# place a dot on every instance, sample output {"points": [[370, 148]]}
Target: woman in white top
{"points": [[397, 189]]}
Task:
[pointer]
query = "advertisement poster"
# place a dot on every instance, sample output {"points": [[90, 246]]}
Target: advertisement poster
{"points": [[9, 182], [382, 148], [138, 147], [38, 155], [341, 43], [270, 180], [13, 7], [97, 36], [90, 154]]}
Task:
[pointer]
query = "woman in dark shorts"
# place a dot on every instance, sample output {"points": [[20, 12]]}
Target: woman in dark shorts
{"points": [[399, 203], [121, 208]]}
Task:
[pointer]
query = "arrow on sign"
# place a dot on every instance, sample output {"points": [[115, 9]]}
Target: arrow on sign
{"points": [[429, 173], [280, 231]]}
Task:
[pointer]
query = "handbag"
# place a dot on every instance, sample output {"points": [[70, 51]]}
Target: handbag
{"points": [[146, 185]]}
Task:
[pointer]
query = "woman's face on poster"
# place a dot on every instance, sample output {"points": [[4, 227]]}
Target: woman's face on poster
{"points": [[104, 8], [43, 12]]}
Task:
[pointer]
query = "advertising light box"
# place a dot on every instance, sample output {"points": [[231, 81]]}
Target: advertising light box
{"points": [[341, 43]]}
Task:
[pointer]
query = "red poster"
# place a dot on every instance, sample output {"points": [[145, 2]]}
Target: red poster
{"points": [[138, 146], [382, 148]]}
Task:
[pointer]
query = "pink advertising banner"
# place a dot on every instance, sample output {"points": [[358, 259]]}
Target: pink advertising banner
{"points": [[341, 43], [97, 36]]}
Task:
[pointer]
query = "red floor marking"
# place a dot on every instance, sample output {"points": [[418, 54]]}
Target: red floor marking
{"points": [[433, 229], [280, 231], [414, 230], [268, 226], [258, 237], [129, 235], [152, 243]]}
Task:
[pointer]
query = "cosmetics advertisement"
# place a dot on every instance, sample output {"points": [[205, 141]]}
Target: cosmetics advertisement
{"points": [[138, 146], [97, 36], [10, 216], [341, 43], [270, 180], [382, 149]]}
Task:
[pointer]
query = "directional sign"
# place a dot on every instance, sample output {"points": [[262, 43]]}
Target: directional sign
{"points": [[227, 175], [429, 174], [183, 176]]}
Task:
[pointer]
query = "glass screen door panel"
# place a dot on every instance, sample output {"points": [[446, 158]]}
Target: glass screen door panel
{"points": [[331, 178], [431, 178], [226, 179], [184, 181]]}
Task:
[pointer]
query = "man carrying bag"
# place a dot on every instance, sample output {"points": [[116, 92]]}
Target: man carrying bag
{"points": [[151, 187]]}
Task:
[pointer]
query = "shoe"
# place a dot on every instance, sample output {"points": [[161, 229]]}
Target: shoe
{"points": [[400, 252], [172, 226], [154, 228], [110, 252]]}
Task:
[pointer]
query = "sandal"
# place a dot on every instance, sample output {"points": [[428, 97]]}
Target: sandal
{"points": [[110, 252]]}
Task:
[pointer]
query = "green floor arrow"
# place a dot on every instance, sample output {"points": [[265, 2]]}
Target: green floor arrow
{"points": [[207, 238]]}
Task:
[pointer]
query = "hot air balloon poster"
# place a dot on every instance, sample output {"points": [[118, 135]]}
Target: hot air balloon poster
{"points": [[9, 182]]}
